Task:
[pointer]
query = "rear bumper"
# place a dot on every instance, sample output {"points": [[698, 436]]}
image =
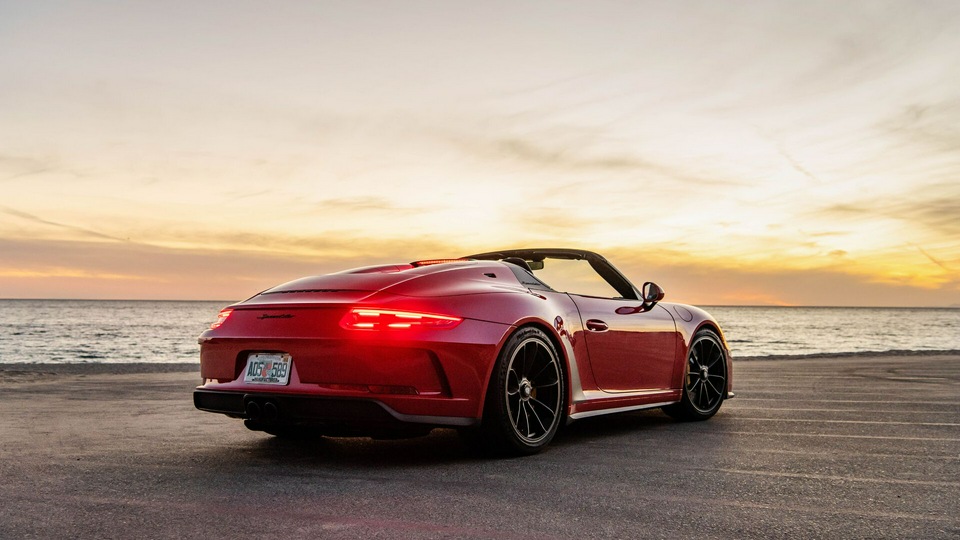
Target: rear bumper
{"points": [[416, 377], [342, 414]]}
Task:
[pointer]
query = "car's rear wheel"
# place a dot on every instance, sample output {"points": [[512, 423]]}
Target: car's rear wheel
{"points": [[525, 400], [704, 381]]}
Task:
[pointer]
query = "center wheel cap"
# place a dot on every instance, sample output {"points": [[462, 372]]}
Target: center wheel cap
{"points": [[526, 389]]}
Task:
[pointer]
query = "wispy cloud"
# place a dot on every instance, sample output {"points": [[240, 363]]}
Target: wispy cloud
{"points": [[16, 167], [933, 259], [365, 204], [38, 220], [933, 211], [567, 152], [797, 166]]}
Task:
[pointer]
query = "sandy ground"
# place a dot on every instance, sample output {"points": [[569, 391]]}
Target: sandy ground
{"points": [[858, 447]]}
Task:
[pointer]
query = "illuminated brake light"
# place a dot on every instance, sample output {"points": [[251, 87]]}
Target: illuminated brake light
{"points": [[428, 262], [389, 319], [221, 318]]}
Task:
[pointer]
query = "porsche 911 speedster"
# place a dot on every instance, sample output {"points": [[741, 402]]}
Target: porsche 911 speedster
{"points": [[506, 346]]}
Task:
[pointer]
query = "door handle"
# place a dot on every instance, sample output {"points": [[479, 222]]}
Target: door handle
{"points": [[597, 325]]}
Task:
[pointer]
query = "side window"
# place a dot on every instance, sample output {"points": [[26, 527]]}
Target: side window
{"points": [[575, 277]]}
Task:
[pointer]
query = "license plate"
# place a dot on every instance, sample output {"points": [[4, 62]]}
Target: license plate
{"points": [[267, 368]]}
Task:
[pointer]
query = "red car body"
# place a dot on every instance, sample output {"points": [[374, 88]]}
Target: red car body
{"points": [[351, 376]]}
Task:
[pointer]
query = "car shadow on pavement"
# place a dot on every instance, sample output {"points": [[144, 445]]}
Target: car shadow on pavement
{"points": [[440, 446], [612, 426]]}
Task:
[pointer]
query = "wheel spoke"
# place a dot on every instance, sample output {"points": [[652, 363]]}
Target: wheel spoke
{"points": [[529, 357], [513, 381], [706, 388], [536, 416], [533, 360], [526, 418], [717, 390], [516, 423], [545, 406], [545, 366], [716, 357]]}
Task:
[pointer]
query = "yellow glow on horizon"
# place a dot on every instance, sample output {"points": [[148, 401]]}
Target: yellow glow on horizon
{"points": [[68, 273]]}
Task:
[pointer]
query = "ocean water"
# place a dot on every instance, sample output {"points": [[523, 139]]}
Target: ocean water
{"points": [[88, 331], [85, 331], [774, 331]]}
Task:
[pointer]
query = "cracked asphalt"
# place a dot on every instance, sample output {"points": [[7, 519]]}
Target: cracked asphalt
{"points": [[852, 447]]}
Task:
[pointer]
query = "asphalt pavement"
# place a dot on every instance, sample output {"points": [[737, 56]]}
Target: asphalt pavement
{"points": [[854, 447]]}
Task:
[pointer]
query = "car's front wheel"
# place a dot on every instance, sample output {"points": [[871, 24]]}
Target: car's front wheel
{"points": [[525, 400], [704, 381]]}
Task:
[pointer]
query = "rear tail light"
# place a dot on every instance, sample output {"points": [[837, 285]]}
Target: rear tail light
{"points": [[389, 319], [221, 318]]}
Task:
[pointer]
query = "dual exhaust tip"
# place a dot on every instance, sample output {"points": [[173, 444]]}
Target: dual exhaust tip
{"points": [[266, 412]]}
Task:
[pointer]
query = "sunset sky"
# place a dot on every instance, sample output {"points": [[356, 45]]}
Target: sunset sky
{"points": [[802, 153]]}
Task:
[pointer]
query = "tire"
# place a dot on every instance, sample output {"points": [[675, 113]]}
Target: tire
{"points": [[704, 379], [526, 396]]}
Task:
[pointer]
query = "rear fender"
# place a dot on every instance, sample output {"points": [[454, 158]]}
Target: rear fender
{"points": [[563, 340]]}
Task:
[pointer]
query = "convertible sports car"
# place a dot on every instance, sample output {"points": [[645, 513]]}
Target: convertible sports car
{"points": [[505, 346]]}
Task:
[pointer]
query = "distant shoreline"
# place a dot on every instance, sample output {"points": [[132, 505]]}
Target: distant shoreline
{"points": [[98, 368], [862, 354], [118, 368]]}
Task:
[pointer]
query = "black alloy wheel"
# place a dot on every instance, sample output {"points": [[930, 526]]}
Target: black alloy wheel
{"points": [[705, 379], [526, 397]]}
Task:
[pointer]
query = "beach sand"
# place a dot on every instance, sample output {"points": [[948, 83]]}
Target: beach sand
{"points": [[859, 446]]}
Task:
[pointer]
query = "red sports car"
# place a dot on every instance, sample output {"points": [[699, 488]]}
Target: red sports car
{"points": [[506, 346]]}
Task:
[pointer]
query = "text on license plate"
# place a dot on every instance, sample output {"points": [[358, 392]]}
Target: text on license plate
{"points": [[267, 368]]}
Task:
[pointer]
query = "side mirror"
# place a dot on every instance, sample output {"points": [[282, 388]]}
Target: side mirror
{"points": [[652, 293]]}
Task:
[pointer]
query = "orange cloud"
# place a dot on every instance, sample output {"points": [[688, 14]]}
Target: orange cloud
{"points": [[64, 269]]}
